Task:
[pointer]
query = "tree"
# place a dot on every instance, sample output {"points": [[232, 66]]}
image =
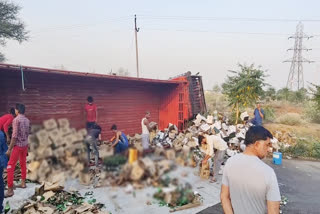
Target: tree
{"points": [[216, 88], [315, 90], [244, 87], [283, 93], [271, 92], [300, 95], [292, 96], [11, 27], [122, 72]]}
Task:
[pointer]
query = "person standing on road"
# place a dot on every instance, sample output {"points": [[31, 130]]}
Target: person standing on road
{"points": [[217, 146], [248, 184], [5, 123], [18, 148], [258, 115], [145, 131], [91, 113]]}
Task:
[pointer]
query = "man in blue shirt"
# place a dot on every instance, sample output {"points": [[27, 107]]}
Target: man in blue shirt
{"points": [[258, 115]]}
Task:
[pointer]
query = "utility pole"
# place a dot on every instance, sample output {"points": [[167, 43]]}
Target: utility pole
{"points": [[136, 30], [295, 78]]}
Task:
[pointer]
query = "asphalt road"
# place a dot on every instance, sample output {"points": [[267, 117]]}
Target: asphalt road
{"points": [[299, 181]]}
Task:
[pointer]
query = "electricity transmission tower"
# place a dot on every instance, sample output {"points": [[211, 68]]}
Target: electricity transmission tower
{"points": [[295, 78]]}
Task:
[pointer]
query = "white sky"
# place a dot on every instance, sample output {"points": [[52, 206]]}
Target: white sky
{"points": [[97, 36]]}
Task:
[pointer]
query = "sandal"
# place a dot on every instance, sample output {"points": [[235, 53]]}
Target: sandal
{"points": [[6, 195]]}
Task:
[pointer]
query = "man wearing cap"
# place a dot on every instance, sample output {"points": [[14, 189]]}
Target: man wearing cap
{"points": [[248, 184], [258, 115]]}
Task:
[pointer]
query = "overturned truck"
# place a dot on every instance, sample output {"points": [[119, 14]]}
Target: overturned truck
{"points": [[51, 93]]}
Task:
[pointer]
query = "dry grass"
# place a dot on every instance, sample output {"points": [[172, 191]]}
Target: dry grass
{"points": [[283, 107], [292, 119], [306, 130]]}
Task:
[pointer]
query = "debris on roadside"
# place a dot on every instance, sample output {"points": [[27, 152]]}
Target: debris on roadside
{"points": [[55, 148], [50, 198], [112, 163], [57, 152], [174, 195], [283, 202]]}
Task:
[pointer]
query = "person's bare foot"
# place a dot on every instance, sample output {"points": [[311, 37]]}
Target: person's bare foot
{"points": [[9, 193], [22, 185]]}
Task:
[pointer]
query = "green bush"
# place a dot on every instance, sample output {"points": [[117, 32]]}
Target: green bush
{"points": [[303, 148], [269, 113], [291, 119], [300, 149], [315, 150], [311, 112]]}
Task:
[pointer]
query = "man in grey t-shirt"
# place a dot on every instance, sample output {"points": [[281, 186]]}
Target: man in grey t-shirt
{"points": [[248, 184]]}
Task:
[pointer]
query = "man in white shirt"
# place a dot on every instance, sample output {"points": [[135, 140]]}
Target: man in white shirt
{"points": [[217, 146], [145, 131], [248, 184]]}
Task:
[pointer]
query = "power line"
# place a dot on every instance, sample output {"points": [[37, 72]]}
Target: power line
{"points": [[74, 26], [217, 32], [145, 17], [197, 18]]}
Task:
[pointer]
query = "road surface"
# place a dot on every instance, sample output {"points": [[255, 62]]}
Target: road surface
{"points": [[299, 181]]}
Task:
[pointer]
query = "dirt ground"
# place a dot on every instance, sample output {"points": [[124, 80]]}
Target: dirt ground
{"points": [[305, 130]]}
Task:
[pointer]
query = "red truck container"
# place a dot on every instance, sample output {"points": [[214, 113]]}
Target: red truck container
{"points": [[52, 93], [185, 103]]}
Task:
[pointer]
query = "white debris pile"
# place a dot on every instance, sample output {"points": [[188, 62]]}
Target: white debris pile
{"points": [[187, 140]]}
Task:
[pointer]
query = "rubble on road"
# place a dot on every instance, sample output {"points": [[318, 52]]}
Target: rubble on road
{"points": [[50, 198], [172, 194], [282, 139], [283, 202], [56, 148]]}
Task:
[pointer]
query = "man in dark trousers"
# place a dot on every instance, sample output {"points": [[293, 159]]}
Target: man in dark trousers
{"points": [[18, 148], [5, 123], [91, 141]]}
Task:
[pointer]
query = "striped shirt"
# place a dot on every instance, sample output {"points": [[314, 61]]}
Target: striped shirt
{"points": [[21, 129]]}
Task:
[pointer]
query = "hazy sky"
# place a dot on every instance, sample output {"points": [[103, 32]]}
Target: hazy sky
{"points": [[175, 36]]}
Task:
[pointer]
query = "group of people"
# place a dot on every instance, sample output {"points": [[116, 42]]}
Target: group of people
{"points": [[249, 185], [119, 141], [14, 132]]}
